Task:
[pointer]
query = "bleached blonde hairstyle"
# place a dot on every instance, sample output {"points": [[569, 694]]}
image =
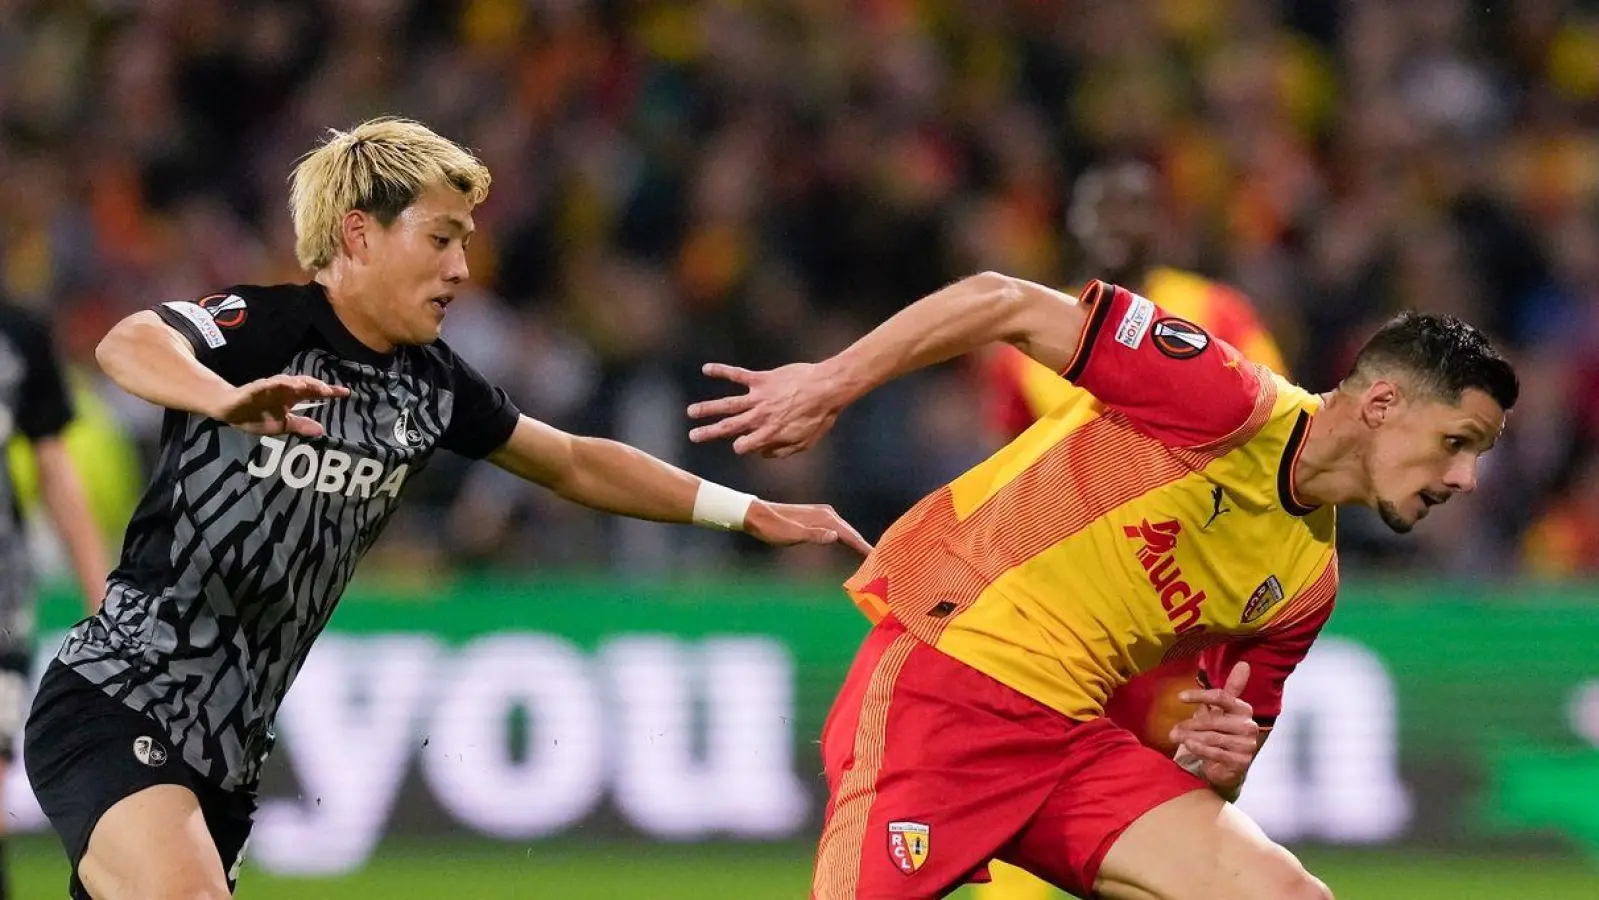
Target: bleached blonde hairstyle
{"points": [[379, 167]]}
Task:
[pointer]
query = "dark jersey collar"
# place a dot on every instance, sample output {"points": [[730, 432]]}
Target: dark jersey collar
{"points": [[333, 331], [1285, 468]]}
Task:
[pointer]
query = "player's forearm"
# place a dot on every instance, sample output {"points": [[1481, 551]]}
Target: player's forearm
{"points": [[61, 490], [613, 477], [971, 313], [153, 362]]}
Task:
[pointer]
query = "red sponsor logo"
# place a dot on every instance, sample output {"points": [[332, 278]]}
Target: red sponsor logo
{"points": [[1158, 557]]}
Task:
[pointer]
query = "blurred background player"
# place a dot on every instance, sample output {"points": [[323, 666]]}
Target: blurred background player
{"points": [[1115, 222], [35, 410]]}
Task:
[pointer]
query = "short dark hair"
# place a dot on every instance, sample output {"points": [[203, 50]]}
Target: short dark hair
{"points": [[1442, 353]]}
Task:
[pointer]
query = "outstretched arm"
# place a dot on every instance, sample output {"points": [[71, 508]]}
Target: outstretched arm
{"points": [[149, 359], [788, 409], [616, 478]]}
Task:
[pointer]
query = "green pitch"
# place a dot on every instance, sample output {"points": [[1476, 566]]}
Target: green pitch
{"points": [[604, 871]]}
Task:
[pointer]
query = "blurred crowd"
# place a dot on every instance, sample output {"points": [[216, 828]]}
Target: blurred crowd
{"points": [[758, 181]]}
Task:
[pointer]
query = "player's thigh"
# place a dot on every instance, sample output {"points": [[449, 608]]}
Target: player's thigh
{"points": [[1109, 781], [932, 767], [153, 844], [1197, 847], [95, 767]]}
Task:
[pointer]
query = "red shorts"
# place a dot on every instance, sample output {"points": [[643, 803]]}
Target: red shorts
{"points": [[934, 769]]}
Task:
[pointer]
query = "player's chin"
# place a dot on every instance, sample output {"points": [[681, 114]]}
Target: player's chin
{"points": [[1397, 521], [427, 329]]}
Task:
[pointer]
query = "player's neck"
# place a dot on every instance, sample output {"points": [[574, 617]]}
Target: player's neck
{"points": [[1331, 467], [348, 307]]}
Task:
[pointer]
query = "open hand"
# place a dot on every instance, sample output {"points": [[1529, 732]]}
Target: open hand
{"points": [[782, 524], [1222, 736], [267, 406], [785, 411]]}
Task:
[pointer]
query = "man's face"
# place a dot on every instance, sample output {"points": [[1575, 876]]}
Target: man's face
{"points": [[1114, 217], [1424, 451], [415, 265]]}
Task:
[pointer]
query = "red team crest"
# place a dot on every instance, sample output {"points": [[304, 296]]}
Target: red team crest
{"points": [[227, 310], [907, 845], [1265, 597]]}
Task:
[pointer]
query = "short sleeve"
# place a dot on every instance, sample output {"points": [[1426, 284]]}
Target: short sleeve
{"points": [[1272, 657], [483, 416], [236, 333], [44, 408], [1170, 377]]}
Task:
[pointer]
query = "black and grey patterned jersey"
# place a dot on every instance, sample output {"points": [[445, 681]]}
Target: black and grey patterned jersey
{"points": [[241, 546], [34, 404]]}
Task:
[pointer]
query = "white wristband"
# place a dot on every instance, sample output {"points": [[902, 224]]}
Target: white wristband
{"points": [[720, 507]]}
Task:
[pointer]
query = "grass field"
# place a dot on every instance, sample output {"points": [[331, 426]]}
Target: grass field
{"points": [[573, 871]]}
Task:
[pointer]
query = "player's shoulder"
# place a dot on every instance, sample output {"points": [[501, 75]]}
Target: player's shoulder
{"points": [[282, 309], [237, 303]]}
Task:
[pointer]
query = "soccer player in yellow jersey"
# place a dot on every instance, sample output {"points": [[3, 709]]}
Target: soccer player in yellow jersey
{"points": [[1114, 221], [1189, 511]]}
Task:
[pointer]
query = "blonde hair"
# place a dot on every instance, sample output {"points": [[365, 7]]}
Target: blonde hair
{"points": [[379, 167]]}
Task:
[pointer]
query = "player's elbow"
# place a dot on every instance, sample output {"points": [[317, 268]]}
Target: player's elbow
{"points": [[127, 342], [1002, 289], [110, 350]]}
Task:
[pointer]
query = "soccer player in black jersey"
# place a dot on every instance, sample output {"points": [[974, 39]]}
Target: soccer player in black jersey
{"points": [[36, 406], [295, 416]]}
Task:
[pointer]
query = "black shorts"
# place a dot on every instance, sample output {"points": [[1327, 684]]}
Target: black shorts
{"points": [[85, 751]]}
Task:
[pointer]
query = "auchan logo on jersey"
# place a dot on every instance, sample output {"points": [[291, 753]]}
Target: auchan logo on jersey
{"points": [[1158, 557], [328, 471]]}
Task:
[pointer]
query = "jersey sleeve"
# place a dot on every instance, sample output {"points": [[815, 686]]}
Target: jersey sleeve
{"points": [[44, 407], [235, 333], [483, 415], [1170, 377], [1272, 657]]}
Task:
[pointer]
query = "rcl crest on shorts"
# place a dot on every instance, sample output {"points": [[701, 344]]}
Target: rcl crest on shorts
{"points": [[907, 845]]}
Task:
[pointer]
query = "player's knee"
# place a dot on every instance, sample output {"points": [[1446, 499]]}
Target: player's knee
{"points": [[106, 881], [200, 890], [1292, 882]]}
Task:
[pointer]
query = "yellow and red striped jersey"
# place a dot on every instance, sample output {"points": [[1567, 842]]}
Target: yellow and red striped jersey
{"points": [[1018, 390], [1154, 523]]}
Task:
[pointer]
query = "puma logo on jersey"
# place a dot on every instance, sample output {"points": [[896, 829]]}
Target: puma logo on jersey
{"points": [[328, 471], [1219, 507], [1157, 555]]}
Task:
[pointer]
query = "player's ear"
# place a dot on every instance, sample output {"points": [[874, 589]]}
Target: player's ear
{"points": [[353, 233], [1379, 401]]}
